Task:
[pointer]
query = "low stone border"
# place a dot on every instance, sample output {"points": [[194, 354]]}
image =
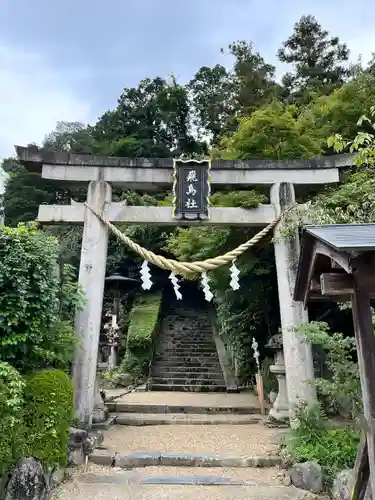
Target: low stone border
{"points": [[142, 420], [114, 407], [179, 459]]}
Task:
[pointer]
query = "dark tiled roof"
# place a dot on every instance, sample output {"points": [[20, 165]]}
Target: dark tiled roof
{"points": [[345, 237]]}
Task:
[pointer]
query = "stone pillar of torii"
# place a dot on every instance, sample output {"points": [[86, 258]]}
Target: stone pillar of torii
{"points": [[100, 173]]}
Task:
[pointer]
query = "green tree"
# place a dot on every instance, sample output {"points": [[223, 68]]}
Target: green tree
{"points": [[271, 132], [74, 137], [319, 61], [340, 111], [151, 120], [218, 95]]}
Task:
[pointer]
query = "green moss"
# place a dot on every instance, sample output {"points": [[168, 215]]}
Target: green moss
{"points": [[142, 324], [48, 413]]}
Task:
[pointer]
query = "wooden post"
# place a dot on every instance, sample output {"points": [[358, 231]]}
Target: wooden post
{"points": [[361, 472], [260, 389], [365, 340]]}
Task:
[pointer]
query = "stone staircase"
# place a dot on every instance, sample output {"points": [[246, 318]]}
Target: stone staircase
{"points": [[186, 358]]}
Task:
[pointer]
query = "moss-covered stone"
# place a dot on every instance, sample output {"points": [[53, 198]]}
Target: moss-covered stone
{"points": [[142, 325]]}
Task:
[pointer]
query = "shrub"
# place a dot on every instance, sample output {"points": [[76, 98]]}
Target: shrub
{"points": [[28, 290], [315, 440], [11, 422], [143, 322], [341, 387], [48, 412]]}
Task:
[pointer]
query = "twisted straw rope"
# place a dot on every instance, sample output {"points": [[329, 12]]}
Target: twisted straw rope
{"points": [[187, 267]]}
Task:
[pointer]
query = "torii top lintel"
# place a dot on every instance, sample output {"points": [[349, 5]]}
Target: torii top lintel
{"points": [[142, 172]]}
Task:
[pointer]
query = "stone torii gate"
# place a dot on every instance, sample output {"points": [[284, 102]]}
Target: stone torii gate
{"points": [[100, 173]]}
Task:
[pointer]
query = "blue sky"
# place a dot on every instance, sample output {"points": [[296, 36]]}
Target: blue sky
{"points": [[70, 59]]}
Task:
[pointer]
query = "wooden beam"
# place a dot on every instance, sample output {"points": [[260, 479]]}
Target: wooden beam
{"points": [[361, 471], [365, 339], [340, 284], [118, 212], [341, 258], [336, 284]]}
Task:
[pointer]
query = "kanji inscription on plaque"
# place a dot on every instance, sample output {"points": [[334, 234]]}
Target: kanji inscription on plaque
{"points": [[191, 189]]}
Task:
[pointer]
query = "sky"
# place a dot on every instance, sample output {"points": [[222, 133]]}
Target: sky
{"points": [[70, 59]]}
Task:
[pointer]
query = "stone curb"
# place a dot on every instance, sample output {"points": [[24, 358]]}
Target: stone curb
{"points": [[114, 407], [139, 421], [179, 459]]}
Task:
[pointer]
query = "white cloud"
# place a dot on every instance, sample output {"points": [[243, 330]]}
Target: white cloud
{"points": [[33, 97]]}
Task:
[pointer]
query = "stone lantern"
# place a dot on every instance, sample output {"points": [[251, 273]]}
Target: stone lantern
{"points": [[280, 407]]}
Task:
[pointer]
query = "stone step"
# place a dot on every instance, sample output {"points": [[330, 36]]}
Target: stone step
{"points": [[186, 388], [174, 370], [205, 341], [186, 332], [180, 355], [178, 351], [188, 409], [187, 380], [186, 342], [103, 456], [171, 343], [191, 375], [170, 361], [143, 419]]}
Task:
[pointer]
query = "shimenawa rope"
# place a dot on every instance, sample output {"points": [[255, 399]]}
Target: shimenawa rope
{"points": [[184, 268]]}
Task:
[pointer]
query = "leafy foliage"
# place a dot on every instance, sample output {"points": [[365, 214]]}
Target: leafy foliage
{"points": [[315, 440], [48, 413], [12, 439], [34, 331], [271, 132], [341, 387], [28, 291]]}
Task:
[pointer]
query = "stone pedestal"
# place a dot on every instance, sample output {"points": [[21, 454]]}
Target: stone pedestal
{"points": [[297, 351], [91, 279], [280, 407], [112, 359], [100, 412]]}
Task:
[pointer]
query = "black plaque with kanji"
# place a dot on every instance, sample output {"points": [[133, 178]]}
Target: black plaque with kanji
{"points": [[191, 189]]}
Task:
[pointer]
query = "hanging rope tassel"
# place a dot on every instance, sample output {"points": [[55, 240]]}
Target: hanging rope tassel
{"points": [[176, 286], [234, 273]]}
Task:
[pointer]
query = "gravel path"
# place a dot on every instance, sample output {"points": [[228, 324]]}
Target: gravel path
{"points": [[242, 440], [95, 485]]}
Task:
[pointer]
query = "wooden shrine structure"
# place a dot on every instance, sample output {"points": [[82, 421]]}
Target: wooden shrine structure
{"points": [[338, 261]]}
